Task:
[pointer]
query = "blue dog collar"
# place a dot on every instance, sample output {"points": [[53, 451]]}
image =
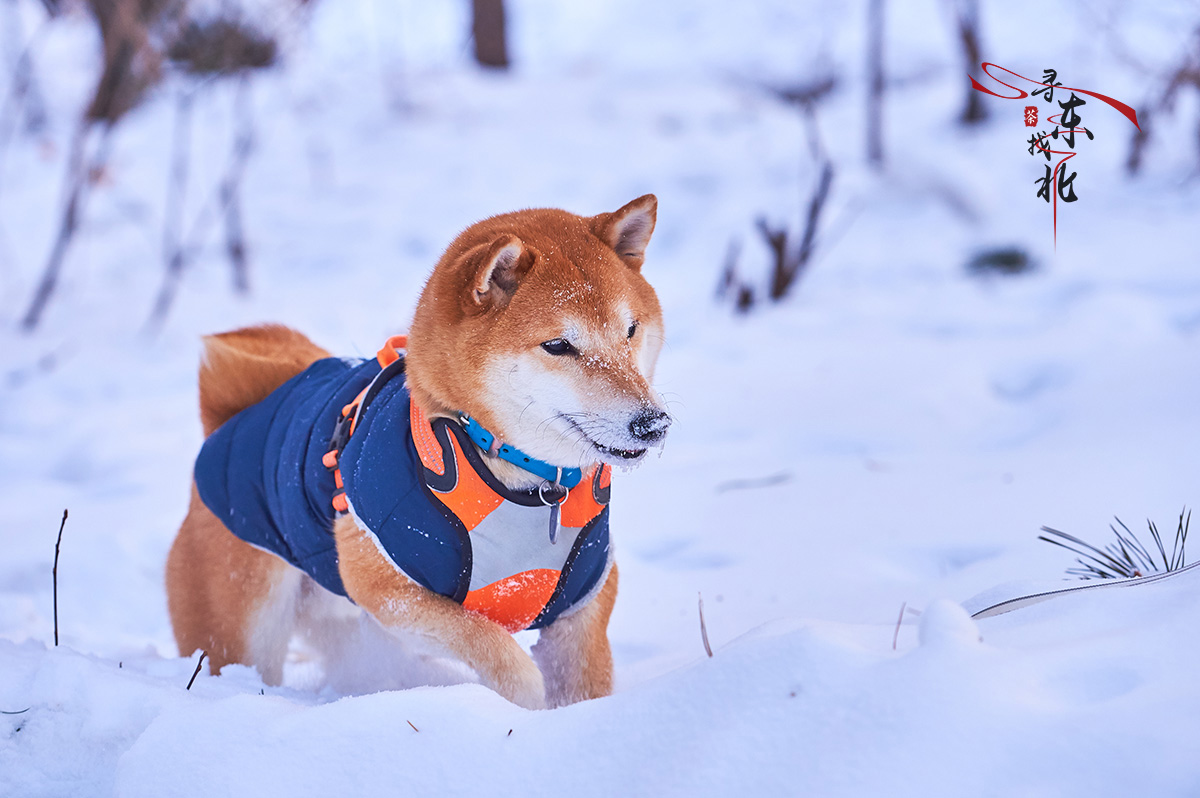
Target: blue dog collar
{"points": [[567, 477]]}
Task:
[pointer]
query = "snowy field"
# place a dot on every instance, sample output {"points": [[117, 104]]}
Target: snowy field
{"points": [[893, 434]]}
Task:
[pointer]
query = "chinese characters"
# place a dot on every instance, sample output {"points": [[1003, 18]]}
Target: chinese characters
{"points": [[1066, 124], [1057, 181]]}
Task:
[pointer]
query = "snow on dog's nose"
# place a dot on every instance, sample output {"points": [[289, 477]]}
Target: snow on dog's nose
{"points": [[650, 425]]}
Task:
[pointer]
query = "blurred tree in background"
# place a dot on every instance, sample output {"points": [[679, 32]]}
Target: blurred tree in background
{"points": [[187, 50], [208, 51], [967, 27], [130, 65], [141, 41], [1165, 96], [489, 34]]}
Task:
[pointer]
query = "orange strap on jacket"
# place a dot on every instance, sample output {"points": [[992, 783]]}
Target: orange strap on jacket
{"points": [[388, 354], [386, 357]]}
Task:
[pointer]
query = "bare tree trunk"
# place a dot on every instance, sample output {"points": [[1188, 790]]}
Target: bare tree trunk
{"points": [[79, 173], [966, 15], [35, 103], [130, 67], [1187, 74], [24, 98], [875, 84], [488, 31], [25, 94], [181, 147], [231, 188], [224, 205], [1141, 137]]}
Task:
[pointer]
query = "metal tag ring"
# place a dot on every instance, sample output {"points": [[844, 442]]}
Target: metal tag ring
{"points": [[542, 493]]}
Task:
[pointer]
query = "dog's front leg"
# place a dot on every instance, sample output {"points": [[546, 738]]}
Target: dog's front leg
{"points": [[573, 652], [397, 601]]}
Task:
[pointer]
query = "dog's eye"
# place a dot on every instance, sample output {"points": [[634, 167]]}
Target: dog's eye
{"points": [[559, 347], [632, 330]]}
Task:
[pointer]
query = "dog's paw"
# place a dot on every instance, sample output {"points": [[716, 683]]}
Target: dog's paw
{"points": [[522, 684], [562, 690]]}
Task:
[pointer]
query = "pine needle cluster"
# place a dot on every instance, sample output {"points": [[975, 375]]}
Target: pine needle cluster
{"points": [[1127, 556]]}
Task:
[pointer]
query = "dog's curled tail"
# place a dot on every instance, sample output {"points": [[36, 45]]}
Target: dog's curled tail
{"points": [[242, 367]]}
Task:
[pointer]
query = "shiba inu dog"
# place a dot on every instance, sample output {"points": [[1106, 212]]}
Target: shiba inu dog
{"points": [[456, 487]]}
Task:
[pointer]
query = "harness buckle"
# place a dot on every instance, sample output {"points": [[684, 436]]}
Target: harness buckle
{"points": [[341, 431], [337, 442]]}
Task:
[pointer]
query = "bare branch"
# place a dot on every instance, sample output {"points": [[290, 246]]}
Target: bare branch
{"points": [[790, 263]]}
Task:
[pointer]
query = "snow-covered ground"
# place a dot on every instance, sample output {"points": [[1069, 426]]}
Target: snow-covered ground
{"points": [[893, 434]]}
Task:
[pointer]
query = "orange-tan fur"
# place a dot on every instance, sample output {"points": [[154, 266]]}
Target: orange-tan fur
{"points": [[504, 286]]}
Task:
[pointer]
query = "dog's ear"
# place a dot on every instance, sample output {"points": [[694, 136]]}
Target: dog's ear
{"points": [[499, 267], [628, 230]]}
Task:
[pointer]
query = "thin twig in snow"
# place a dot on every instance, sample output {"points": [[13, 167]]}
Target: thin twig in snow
{"points": [[54, 573], [703, 627], [899, 620], [196, 672], [414, 728]]}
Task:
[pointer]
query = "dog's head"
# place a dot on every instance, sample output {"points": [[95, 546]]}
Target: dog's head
{"points": [[540, 325]]}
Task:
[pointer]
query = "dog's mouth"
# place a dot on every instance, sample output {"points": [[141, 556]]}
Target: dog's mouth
{"points": [[622, 455]]}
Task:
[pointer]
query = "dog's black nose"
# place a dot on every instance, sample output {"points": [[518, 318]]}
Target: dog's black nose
{"points": [[649, 426]]}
